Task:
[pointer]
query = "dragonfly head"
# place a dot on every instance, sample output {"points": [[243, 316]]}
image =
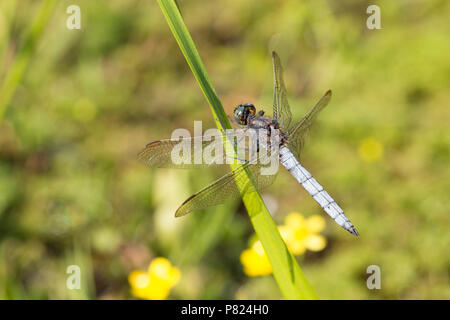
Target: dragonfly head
{"points": [[243, 111]]}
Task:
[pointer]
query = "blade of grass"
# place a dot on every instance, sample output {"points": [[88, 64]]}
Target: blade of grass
{"points": [[21, 61], [286, 270]]}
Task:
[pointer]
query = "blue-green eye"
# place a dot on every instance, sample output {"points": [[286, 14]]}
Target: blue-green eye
{"points": [[239, 111]]}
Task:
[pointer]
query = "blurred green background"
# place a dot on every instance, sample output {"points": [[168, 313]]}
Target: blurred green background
{"points": [[73, 192]]}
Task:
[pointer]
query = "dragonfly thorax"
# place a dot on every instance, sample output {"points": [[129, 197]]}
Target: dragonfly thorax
{"points": [[245, 115]]}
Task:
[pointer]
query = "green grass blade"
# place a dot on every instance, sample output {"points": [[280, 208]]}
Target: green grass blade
{"points": [[286, 270], [21, 61]]}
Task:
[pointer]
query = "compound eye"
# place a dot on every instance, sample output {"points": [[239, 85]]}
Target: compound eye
{"points": [[239, 114]]}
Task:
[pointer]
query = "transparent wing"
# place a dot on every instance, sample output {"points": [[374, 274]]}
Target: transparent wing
{"points": [[161, 153], [298, 133], [196, 152], [281, 109], [226, 188]]}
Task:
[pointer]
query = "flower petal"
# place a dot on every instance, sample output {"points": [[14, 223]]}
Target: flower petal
{"points": [[315, 242], [162, 268], [157, 289], [286, 233], [297, 247], [315, 224], [294, 220], [255, 262], [138, 279]]}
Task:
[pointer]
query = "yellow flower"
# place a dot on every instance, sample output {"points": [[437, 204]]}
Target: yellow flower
{"points": [[255, 261], [301, 234], [289, 237], [370, 150], [298, 233], [163, 270], [155, 284], [315, 224], [294, 220]]}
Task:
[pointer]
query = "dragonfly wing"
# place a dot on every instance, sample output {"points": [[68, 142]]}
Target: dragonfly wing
{"points": [[281, 109], [226, 188], [298, 133], [169, 154]]}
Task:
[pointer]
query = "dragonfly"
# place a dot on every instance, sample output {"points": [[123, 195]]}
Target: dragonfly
{"points": [[158, 154]]}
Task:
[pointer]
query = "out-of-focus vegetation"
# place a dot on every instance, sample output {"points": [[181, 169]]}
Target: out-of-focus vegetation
{"points": [[73, 193]]}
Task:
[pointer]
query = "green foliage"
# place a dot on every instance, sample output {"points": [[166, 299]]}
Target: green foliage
{"points": [[17, 69]]}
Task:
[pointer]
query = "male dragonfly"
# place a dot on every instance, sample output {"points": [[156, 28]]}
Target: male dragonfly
{"points": [[158, 154]]}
